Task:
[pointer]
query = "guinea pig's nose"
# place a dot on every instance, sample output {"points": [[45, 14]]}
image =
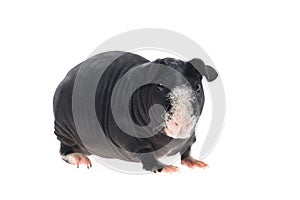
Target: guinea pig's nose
{"points": [[176, 123], [188, 124], [181, 124]]}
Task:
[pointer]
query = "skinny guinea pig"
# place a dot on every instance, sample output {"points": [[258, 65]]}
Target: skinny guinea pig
{"points": [[175, 85]]}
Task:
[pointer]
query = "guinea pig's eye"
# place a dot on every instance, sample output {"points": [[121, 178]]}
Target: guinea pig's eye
{"points": [[198, 88], [160, 87]]}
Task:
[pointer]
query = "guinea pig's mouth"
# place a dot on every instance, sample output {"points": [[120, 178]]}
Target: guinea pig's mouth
{"points": [[180, 120]]}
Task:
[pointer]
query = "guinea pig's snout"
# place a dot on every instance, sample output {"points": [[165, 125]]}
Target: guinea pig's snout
{"points": [[179, 124], [180, 119], [178, 128]]}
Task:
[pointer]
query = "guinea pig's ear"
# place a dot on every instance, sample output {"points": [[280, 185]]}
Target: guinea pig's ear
{"points": [[205, 70]]}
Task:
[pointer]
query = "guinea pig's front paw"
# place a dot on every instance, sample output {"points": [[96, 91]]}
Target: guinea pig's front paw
{"points": [[163, 168], [170, 169], [167, 169], [192, 163]]}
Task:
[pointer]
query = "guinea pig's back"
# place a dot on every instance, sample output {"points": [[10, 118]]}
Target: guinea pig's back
{"points": [[65, 128]]}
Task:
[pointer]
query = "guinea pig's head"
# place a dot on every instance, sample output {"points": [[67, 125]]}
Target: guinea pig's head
{"points": [[176, 86], [184, 97]]}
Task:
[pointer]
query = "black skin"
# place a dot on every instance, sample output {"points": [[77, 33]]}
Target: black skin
{"points": [[151, 94]]}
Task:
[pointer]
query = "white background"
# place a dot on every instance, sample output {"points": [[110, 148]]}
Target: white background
{"points": [[255, 47]]}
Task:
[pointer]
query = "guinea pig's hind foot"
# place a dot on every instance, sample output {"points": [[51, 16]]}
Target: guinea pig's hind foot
{"points": [[192, 163], [77, 159]]}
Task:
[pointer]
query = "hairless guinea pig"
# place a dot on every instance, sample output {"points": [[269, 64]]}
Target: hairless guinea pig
{"points": [[119, 105]]}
